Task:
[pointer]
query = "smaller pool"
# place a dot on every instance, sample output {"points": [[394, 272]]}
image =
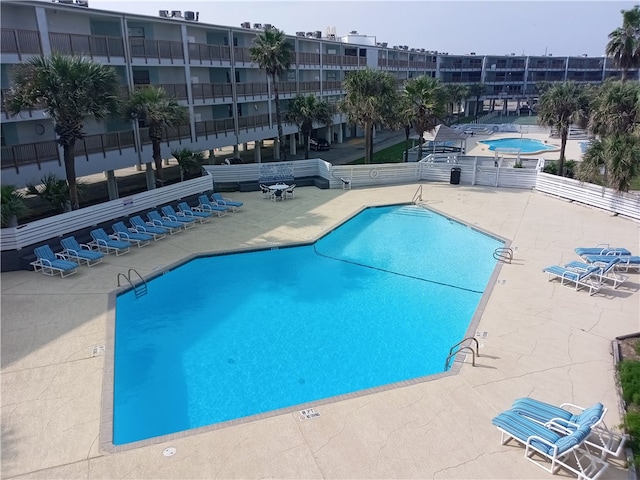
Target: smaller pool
{"points": [[525, 145]]}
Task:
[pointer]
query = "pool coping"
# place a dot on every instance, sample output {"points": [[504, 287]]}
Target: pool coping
{"points": [[105, 443], [556, 148]]}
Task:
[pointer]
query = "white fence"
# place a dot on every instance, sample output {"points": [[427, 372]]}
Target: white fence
{"points": [[59, 225]]}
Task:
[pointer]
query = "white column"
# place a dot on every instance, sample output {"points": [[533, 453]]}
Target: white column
{"points": [[112, 185], [149, 175], [245, 147], [257, 154], [292, 144], [341, 133], [276, 149], [236, 151]]}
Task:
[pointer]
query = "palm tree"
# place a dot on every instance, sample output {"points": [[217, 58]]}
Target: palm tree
{"points": [[190, 162], [624, 42], [69, 90], [477, 90], [153, 108], [561, 106], [615, 159], [274, 54], [458, 93], [426, 104], [371, 96], [305, 111], [615, 108]]}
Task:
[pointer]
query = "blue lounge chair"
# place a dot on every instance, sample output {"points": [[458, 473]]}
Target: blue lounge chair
{"points": [[207, 206], [576, 278], [52, 264], [602, 249], [626, 262], [194, 213], [601, 438], [157, 220], [139, 225], [121, 232], [607, 271], [170, 214], [80, 253], [226, 202], [108, 244], [552, 446]]}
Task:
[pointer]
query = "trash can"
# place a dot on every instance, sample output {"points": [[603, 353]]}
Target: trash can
{"points": [[455, 176]]}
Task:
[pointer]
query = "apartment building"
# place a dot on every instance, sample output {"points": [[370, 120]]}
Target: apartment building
{"points": [[209, 70]]}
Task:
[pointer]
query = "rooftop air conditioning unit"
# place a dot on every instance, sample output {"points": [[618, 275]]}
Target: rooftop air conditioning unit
{"points": [[309, 34], [332, 36], [176, 13], [163, 13], [405, 47], [353, 32], [472, 53], [193, 16], [317, 34], [245, 24], [395, 47], [268, 26], [257, 26], [385, 44], [299, 34], [412, 50]]}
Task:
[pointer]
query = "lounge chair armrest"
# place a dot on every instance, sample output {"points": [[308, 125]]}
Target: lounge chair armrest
{"points": [[540, 439], [86, 246], [562, 426], [170, 218], [581, 409], [45, 262], [70, 251], [206, 208], [140, 229], [61, 256], [197, 209], [186, 214], [155, 223], [119, 235]]}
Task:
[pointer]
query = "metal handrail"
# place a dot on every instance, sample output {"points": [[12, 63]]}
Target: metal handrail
{"points": [[466, 347], [417, 195], [136, 288], [503, 254]]}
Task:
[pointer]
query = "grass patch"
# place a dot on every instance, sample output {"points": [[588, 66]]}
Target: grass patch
{"points": [[392, 154], [629, 371]]}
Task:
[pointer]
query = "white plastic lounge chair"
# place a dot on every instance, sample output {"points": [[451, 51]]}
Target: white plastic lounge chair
{"points": [[626, 262], [194, 213], [207, 206], [140, 226], [80, 252], [574, 278], [601, 249], [108, 244], [121, 232], [601, 438], [290, 192], [52, 264], [170, 214], [607, 271], [277, 194], [158, 221], [554, 448], [226, 202], [266, 193]]}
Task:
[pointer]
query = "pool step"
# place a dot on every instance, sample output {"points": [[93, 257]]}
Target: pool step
{"points": [[413, 211]]}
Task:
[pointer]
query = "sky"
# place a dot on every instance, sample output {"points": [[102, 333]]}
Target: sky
{"points": [[457, 27]]}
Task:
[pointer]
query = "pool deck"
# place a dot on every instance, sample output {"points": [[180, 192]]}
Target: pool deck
{"points": [[538, 339]]}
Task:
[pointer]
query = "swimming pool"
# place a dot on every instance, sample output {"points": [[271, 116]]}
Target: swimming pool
{"points": [[379, 300], [525, 145]]}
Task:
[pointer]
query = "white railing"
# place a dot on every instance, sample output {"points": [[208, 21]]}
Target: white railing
{"points": [[65, 223]]}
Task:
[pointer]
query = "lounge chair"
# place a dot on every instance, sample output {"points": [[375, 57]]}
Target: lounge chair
{"points": [[194, 213], [626, 262], [80, 252], [170, 214], [601, 438], [607, 271], [157, 220], [601, 249], [226, 202], [140, 226], [576, 278], [121, 232], [108, 244], [552, 446], [52, 264], [207, 206]]}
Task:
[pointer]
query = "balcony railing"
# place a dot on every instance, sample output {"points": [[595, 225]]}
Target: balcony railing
{"points": [[170, 133], [215, 128], [15, 156], [203, 91], [104, 142], [241, 55], [332, 85], [91, 45], [349, 61], [141, 47], [176, 90], [254, 121], [328, 60], [309, 87], [308, 58], [286, 88], [252, 89], [203, 51], [20, 41]]}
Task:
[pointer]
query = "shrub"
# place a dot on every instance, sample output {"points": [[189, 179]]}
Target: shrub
{"points": [[12, 205], [551, 167], [630, 381], [637, 347], [632, 426]]}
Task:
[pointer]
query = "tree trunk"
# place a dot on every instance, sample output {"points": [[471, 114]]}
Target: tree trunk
{"points": [[563, 146], [276, 96], [157, 159], [371, 143], [305, 135], [367, 138], [420, 135], [407, 132], [70, 171]]}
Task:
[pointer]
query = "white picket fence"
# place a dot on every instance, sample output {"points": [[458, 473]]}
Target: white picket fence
{"points": [[65, 223], [473, 171]]}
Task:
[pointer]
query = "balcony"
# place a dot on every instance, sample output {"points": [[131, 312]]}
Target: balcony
{"points": [[175, 90], [104, 142], [350, 61], [170, 133], [287, 88], [331, 60], [20, 42], [556, 64], [215, 128], [88, 45], [254, 121], [210, 53], [252, 89], [308, 59], [158, 49], [332, 85], [306, 87], [241, 55], [202, 91]]}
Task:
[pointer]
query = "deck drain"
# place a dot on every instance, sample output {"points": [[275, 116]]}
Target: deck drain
{"points": [[97, 350], [308, 413], [482, 334], [169, 452]]}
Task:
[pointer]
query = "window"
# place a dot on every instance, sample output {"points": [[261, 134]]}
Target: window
{"points": [[136, 32]]}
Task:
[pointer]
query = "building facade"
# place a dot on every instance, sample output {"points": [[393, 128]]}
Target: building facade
{"points": [[209, 71]]}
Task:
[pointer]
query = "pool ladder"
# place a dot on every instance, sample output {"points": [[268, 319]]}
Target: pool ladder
{"points": [[140, 288], [468, 348], [418, 195], [503, 254]]}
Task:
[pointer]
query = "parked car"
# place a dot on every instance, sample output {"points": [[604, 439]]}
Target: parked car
{"points": [[319, 144], [233, 161]]}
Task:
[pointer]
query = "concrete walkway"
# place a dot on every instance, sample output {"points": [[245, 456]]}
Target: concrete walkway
{"points": [[538, 339]]}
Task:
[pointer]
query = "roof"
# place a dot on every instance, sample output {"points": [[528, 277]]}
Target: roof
{"points": [[442, 133]]}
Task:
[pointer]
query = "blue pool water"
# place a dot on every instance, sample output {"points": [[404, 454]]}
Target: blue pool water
{"points": [[525, 145], [379, 300]]}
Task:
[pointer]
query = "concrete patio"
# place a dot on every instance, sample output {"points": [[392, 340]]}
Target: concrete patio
{"points": [[542, 340]]}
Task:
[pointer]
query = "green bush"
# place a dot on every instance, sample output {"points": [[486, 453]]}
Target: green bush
{"points": [[630, 381], [632, 426], [637, 347], [551, 167]]}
